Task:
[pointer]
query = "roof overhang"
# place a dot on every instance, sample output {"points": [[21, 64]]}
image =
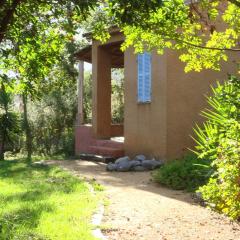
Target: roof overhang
{"points": [[84, 54], [114, 50]]}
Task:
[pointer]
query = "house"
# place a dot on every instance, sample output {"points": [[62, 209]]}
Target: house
{"points": [[162, 102]]}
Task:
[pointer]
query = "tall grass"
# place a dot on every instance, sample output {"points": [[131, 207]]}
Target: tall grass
{"points": [[44, 203]]}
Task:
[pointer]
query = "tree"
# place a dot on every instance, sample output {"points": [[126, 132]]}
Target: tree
{"points": [[186, 26], [32, 60], [53, 115], [31, 37], [9, 121], [203, 32], [17, 14], [31, 51]]}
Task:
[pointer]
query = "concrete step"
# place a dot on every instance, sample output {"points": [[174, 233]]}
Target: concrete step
{"points": [[107, 151], [96, 158], [108, 143]]}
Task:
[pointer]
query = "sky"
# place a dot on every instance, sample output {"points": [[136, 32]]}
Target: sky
{"points": [[87, 66]]}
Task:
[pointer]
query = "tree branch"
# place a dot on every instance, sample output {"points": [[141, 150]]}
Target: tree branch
{"points": [[235, 2], [8, 18], [2, 2], [209, 48]]}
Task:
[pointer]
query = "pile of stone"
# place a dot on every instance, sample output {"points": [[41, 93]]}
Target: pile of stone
{"points": [[138, 164]]}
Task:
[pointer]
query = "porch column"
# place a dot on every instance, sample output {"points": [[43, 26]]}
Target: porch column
{"points": [[101, 116], [80, 117]]}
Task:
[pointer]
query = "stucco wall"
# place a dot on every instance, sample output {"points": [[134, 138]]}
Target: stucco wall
{"points": [[101, 73], [185, 99], [163, 127], [145, 124]]}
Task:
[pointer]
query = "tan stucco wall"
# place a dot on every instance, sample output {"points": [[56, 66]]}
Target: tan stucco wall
{"points": [[185, 99], [145, 124], [163, 127]]}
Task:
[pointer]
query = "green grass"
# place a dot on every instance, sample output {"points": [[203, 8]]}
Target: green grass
{"points": [[44, 203], [22, 157]]}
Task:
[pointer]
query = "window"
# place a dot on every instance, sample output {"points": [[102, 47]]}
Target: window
{"points": [[144, 77]]}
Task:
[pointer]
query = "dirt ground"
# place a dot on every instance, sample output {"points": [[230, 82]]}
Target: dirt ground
{"points": [[142, 210]]}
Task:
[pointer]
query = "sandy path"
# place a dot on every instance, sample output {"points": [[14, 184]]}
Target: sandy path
{"points": [[140, 209]]}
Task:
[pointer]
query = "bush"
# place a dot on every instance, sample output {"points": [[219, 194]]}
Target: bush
{"points": [[117, 97], [219, 140], [223, 189], [188, 173], [9, 123], [52, 123]]}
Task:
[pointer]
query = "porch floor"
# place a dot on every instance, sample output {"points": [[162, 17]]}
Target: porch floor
{"points": [[88, 144], [118, 139]]}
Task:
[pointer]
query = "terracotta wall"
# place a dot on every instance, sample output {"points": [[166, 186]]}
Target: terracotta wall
{"points": [[163, 127], [101, 84], [117, 130], [101, 62]]}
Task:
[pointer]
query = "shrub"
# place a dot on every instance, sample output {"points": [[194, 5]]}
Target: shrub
{"points": [[219, 140], [117, 97], [223, 189], [9, 123], [188, 173], [225, 109]]}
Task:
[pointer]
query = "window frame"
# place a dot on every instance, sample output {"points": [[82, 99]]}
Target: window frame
{"points": [[144, 73]]}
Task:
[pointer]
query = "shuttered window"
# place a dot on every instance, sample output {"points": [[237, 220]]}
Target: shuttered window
{"points": [[144, 77]]}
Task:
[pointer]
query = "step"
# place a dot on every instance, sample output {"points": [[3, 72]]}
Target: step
{"points": [[107, 151], [96, 158], [108, 143]]}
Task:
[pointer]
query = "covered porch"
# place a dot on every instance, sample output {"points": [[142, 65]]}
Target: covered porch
{"points": [[101, 137]]}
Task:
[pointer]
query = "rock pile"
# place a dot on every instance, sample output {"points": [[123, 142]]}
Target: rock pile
{"points": [[139, 164]]}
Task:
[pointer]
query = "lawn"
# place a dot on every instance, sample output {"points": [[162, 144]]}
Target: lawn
{"points": [[44, 203]]}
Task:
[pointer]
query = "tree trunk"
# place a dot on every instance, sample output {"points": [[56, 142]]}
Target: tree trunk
{"points": [[27, 129], [4, 133], [8, 16]]}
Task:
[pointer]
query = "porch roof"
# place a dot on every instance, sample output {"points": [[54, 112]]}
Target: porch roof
{"points": [[117, 56], [85, 54]]}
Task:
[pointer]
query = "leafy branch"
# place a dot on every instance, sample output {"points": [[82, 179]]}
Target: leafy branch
{"points": [[8, 18]]}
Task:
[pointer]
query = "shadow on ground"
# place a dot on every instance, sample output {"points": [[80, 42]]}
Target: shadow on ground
{"points": [[139, 180]]}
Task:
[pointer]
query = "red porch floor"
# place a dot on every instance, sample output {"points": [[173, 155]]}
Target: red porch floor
{"points": [[86, 143]]}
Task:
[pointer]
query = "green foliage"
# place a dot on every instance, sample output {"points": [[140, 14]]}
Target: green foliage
{"points": [[188, 173], [52, 119], [222, 192], [32, 33], [117, 96], [10, 127], [180, 26], [219, 140], [33, 36], [9, 123], [87, 96], [224, 112], [201, 32], [33, 47], [44, 203], [132, 12]]}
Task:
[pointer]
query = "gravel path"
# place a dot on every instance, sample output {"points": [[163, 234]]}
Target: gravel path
{"points": [[140, 209]]}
